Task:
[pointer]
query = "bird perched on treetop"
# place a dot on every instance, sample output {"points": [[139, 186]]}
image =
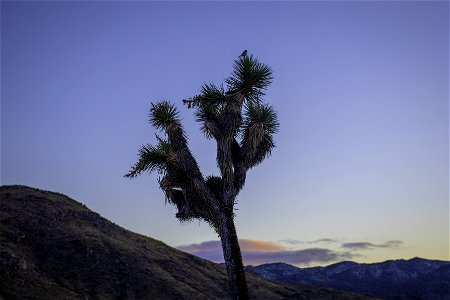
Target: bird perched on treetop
{"points": [[244, 54]]}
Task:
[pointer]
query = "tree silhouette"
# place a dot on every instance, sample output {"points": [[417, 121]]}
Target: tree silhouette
{"points": [[243, 127]]}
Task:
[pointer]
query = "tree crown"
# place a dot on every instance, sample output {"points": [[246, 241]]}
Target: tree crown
{"points": [[240, 122]]}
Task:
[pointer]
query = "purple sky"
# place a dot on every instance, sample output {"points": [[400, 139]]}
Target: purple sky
{"points": [[361, 89]]}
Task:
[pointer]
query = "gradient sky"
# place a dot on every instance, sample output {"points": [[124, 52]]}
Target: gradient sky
{"points": [[361, 166]]}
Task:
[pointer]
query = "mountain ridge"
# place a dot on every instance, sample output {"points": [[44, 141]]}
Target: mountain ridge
{"points": [[416, 278], [53, 247]]}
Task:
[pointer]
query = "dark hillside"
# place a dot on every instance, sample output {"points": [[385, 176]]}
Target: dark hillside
{"points": [[52, 247]]}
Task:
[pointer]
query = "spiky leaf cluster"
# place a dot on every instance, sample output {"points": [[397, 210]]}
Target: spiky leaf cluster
{"points": [[210, 109], [212, 94], [249, 78], [209, 116], [154, 158], [164, 116], [259, 126]]}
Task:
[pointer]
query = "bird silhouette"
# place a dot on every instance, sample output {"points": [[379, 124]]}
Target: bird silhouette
{"points": [[244, 54]]}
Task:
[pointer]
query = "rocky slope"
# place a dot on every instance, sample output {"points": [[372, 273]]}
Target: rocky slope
{"points": [[52, 247]]}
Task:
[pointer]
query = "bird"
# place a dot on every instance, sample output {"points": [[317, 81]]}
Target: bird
{"points": [[244, 54]]}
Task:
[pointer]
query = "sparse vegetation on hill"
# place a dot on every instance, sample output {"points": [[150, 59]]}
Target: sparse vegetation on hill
{"points": [[53, 247]]}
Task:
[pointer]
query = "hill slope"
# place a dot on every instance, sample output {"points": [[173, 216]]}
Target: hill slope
{"points": [[416, 278], [52, 247]]}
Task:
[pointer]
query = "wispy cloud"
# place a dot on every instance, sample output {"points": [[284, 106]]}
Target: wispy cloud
{"points": [[394, 243], [359, 245], [256, 252], [318, 241], [291, 241], [297, 257], [368, 245], [325, 240], [259, 246], [212, 250]]}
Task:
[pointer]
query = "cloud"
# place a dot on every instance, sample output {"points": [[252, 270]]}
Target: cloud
{"points": [[246, 244], [359, 245], [259, 252], [394, 243], [296, 257], [318, 241], [325, 240], [291, 241], [367, 245], [256, 252], [259, 246]]}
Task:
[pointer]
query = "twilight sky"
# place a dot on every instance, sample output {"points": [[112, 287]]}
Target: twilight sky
{"points": [[361, 168]]}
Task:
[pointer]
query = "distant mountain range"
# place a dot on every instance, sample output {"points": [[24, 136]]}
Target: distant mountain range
{"points": [[53, 247], [416, 278]]}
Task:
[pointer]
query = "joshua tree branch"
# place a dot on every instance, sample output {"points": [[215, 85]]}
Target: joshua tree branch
{"points": [[240, 171]]}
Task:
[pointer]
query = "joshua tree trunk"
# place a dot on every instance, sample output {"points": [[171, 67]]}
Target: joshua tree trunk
{"points": [[233, 258]]}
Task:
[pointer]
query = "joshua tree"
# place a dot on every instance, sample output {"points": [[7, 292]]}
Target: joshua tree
{"points": [[243, 127]]}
